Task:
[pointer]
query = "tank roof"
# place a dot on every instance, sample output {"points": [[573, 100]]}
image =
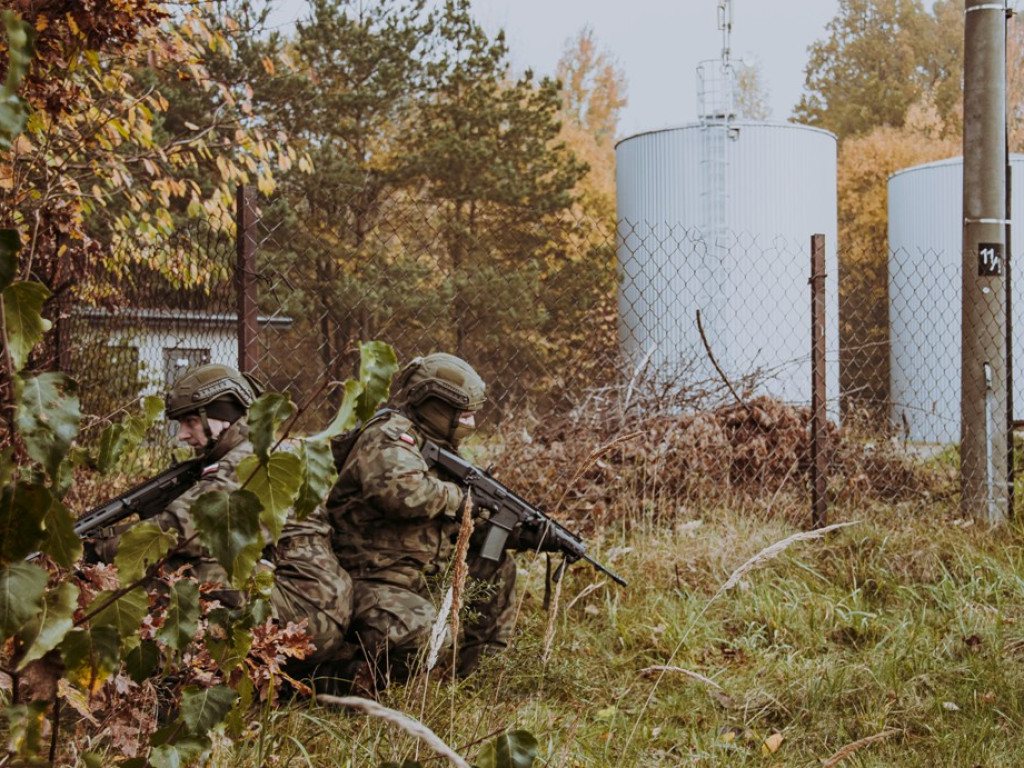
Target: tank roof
{"points": [[731, 123]]}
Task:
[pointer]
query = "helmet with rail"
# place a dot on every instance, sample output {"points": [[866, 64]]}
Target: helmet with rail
{"points": [[436, 391]]}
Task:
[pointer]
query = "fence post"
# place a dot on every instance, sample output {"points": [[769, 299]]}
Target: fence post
{"points": [[245, 279], [819, 415]]}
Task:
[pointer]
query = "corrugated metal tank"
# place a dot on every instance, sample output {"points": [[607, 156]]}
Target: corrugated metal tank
{"points": [[925, 246], [718, 218]]}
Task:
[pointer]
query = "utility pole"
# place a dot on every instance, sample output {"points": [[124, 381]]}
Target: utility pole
{"points": [[984, 431]]}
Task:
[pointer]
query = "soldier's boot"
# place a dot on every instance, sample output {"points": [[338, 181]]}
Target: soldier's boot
{"points": [[363, 680], [472, 654]]}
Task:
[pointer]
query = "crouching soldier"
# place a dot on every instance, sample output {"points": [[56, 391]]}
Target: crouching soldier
{"points": [[210, 405], [395, 525]]}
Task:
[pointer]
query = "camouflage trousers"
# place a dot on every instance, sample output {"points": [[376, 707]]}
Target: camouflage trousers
{"points": [[310, 584], [392, 621]]}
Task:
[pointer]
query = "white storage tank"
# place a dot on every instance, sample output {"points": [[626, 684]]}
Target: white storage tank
{"points": [[718, 217], [925, 247]]}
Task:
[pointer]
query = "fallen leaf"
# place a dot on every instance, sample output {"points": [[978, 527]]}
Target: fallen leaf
{"points": [[771, 744]]}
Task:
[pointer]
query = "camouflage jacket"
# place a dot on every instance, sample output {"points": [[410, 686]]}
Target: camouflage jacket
{"points": [[224, 477], [393, 518]]}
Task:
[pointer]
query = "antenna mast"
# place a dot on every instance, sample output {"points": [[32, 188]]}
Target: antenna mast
{"points": [[725, 27]]}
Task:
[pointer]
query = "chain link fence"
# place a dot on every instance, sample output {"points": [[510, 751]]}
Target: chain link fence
{"points": [[623, 362]]}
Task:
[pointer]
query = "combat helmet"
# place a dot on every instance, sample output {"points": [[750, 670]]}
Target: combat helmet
{"points": [[212, 390], [436, 390]]}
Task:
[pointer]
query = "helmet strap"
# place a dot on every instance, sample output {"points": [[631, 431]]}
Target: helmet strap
{"points": [[210, 442]]}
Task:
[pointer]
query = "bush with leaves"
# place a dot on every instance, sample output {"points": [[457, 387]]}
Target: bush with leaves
{"points": [[133, 647], [105, 641]]}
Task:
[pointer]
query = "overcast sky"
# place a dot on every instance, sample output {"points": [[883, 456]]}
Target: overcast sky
{"points": [[658, 44]]}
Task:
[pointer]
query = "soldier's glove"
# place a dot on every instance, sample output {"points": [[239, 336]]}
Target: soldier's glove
{"points": [[101, 549]]}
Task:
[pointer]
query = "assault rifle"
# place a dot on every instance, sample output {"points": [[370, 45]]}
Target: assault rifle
{"points": [[145, 499], [511, 516]]}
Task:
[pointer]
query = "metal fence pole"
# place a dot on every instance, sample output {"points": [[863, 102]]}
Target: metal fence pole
{"points": [[983, 428], [245, 279], [819, 415]]}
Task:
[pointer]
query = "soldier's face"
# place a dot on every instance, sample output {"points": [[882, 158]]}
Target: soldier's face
{"points": [[190, 430]]}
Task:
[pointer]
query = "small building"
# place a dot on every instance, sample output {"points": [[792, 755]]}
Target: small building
{"points": [[121, 355]]}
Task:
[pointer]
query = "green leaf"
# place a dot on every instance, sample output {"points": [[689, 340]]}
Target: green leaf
{"points": [[517, 749], [229, 526], [182, 619], [61, 543], [116, 439], [112, 445], [90, 656], [204, 708], [142, 661], [125, 614], [275, 483], [14, 109], [318, 476], [48, 416], [152, 409], [47, 629], [21, 596], [25, 727], [345, 418], [237, 720], [23, 508], [183, 752], [142, 545], [265, 416], [377, 366], [23, 304], [6, 465], [10, 244]]}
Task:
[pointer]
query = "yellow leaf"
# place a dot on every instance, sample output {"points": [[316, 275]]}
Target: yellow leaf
{"points": [[728, 734], [22, 146], [605, 714], [771, 744], [78, 700]]}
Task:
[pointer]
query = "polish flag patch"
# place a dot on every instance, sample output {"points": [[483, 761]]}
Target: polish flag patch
{"points": [[407, 438]]}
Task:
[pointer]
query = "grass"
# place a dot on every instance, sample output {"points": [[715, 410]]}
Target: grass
{"points": [[896, 641]]}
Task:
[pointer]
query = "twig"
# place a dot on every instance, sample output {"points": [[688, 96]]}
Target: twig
{"points": [[636, 374], [298, 412], [549, 631], [590, 588], [647, 671], [589, 462], [773, 551], [849, 749], [412, 727], [721, 373], [55, 733]]}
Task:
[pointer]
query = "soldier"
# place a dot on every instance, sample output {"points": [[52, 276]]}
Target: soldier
{"points": [[210, 404], [395, 525]]}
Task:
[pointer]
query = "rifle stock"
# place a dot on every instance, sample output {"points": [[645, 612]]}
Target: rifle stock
{"points": [[512, 517]]}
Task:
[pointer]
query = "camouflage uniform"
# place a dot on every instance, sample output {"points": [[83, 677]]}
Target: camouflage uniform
{"points": [[395, 525], [308, 581]]}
